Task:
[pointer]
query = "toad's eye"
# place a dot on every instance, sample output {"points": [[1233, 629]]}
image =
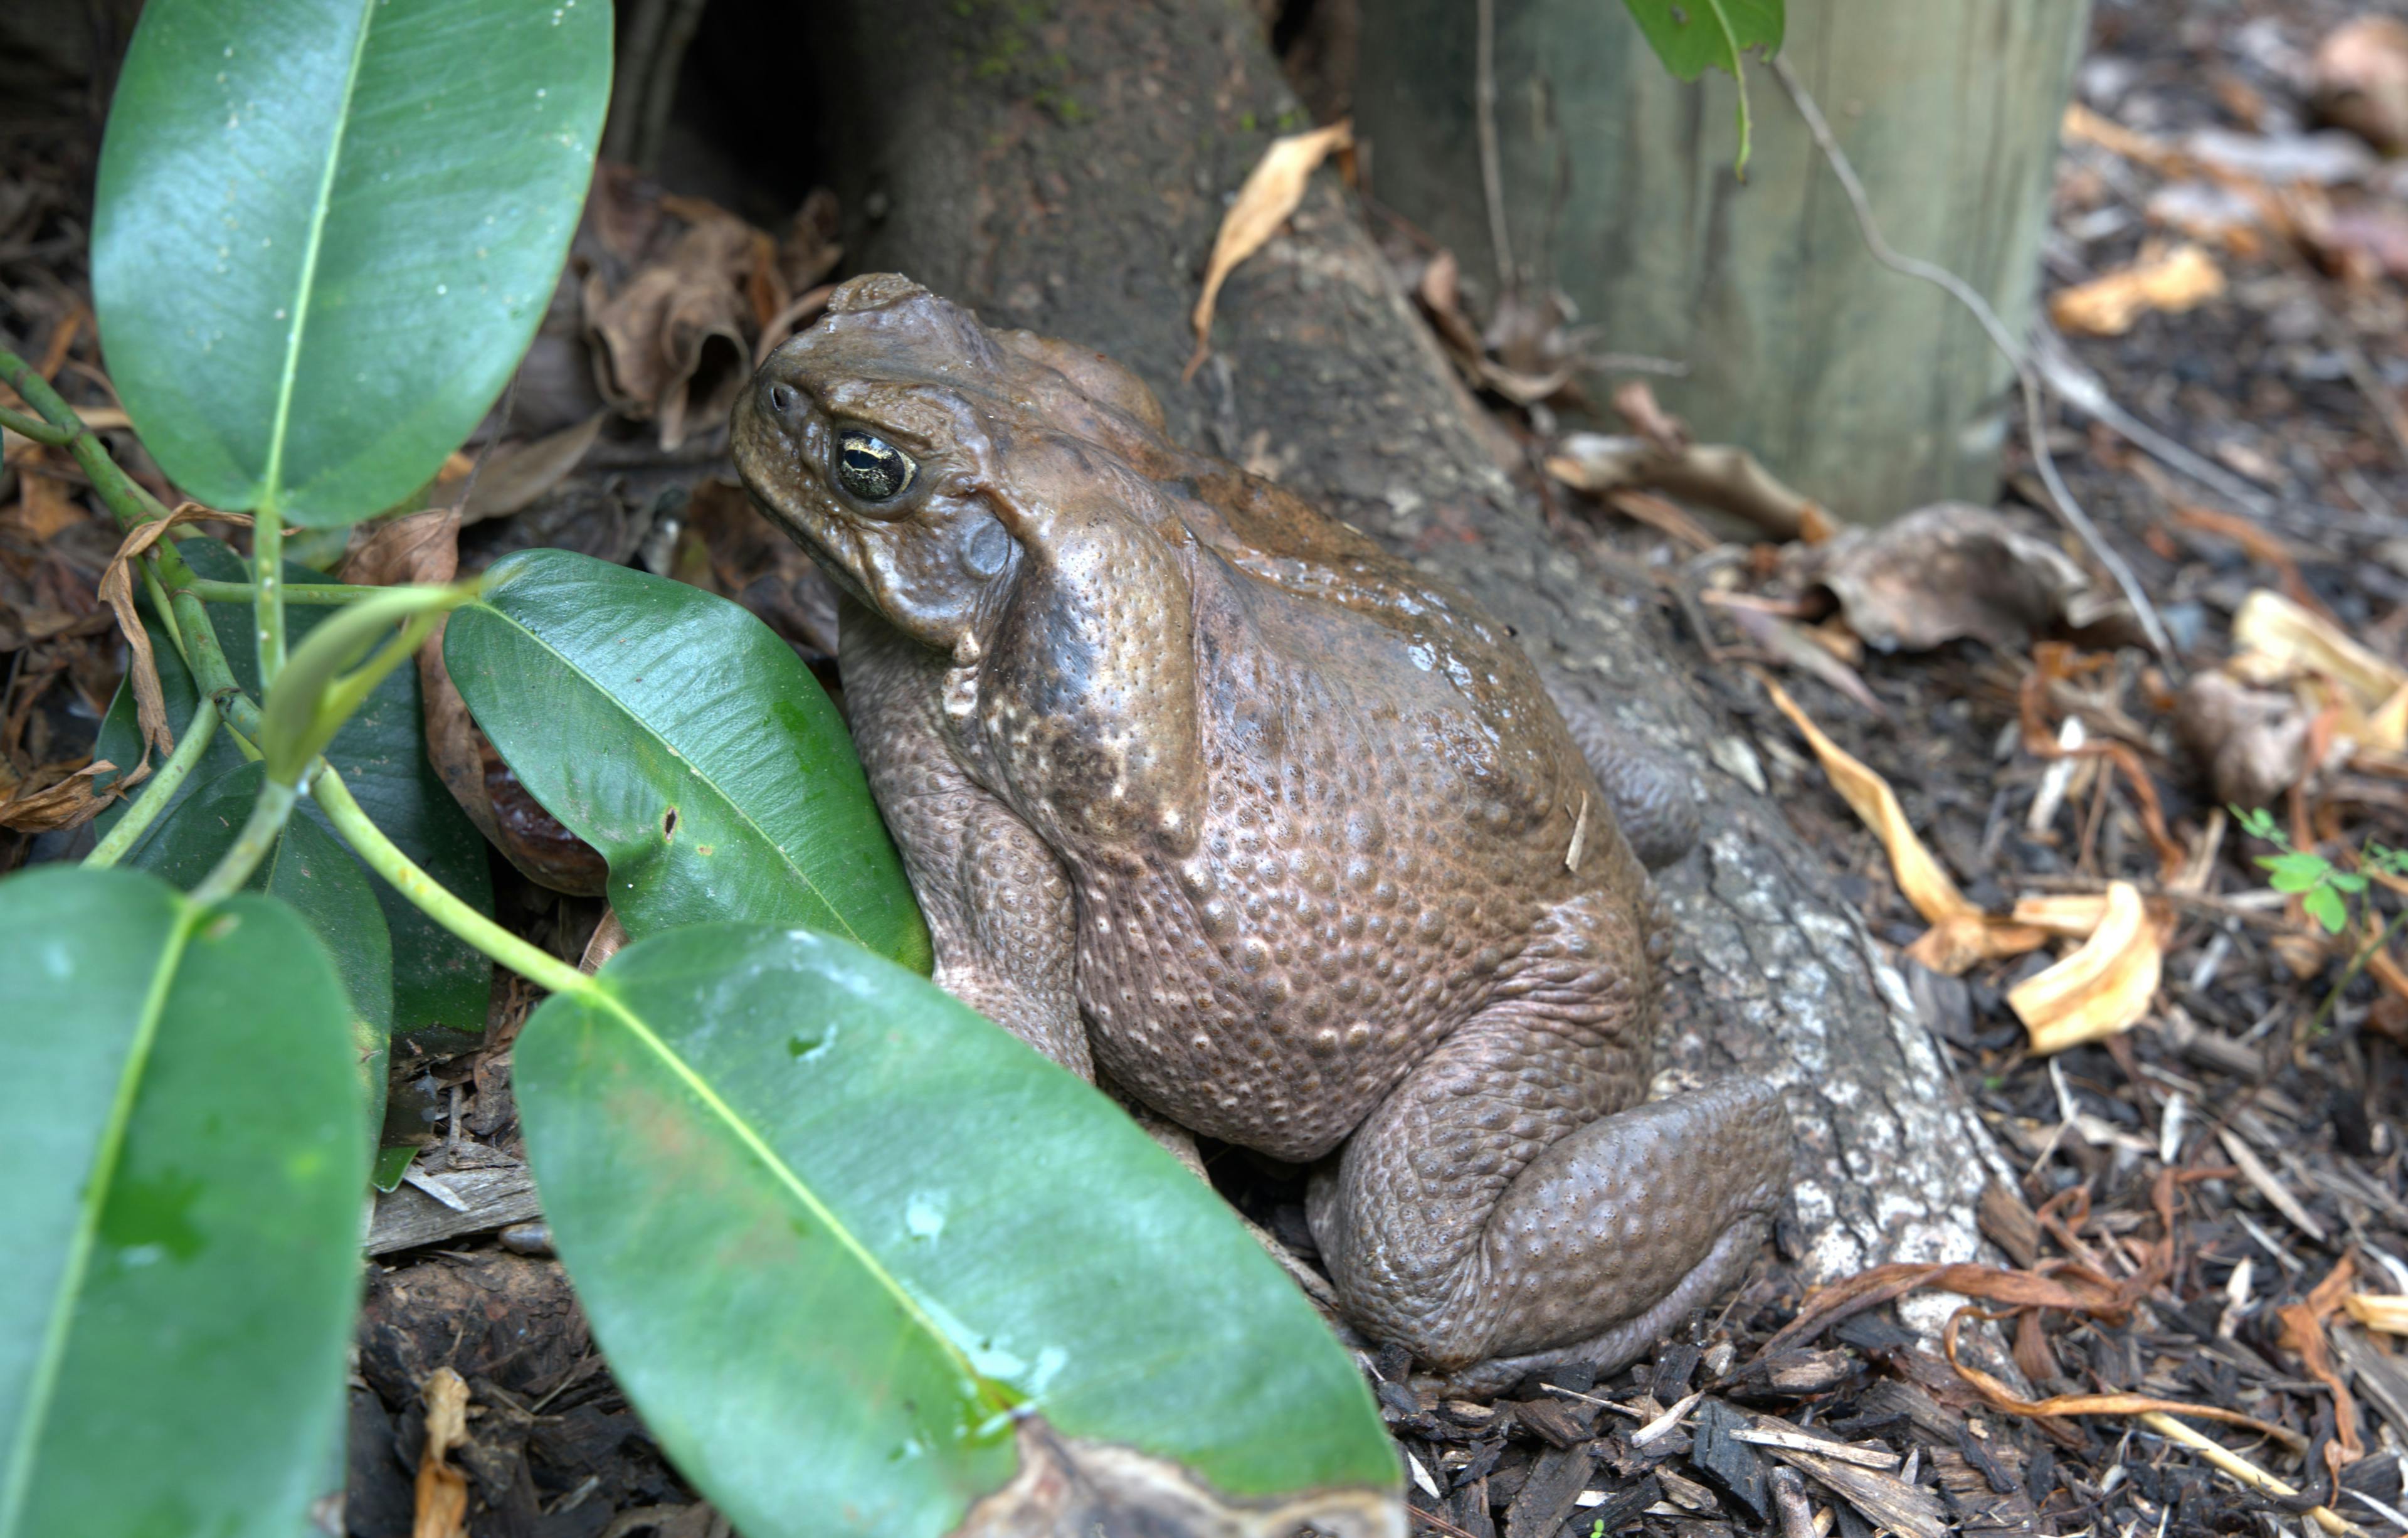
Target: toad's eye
{"points": [[872, 468]]}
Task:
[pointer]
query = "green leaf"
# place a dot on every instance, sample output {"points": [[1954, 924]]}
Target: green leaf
{"points": [[345, 217], [2328, 908], [2294, 871], [678, 735], [2345, 881], [2259, 823], [318, 878], [182, 1265], [809, 1201], [1690, 36], [440, 983]]}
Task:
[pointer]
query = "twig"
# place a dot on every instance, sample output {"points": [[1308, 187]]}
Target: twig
{"points": [[2240, 1468], [1492, 176], [2035, 422]]}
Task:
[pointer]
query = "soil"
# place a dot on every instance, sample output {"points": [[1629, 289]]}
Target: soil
{"points": [[2168, 1209]]}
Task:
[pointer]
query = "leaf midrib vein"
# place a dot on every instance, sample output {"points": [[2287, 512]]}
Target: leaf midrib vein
{"points": [[734, 807], [272, 476], [758, 1147], [18, 1483]]}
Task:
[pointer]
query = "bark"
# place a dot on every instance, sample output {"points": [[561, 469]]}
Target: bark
{"points": [[1068, 174]]}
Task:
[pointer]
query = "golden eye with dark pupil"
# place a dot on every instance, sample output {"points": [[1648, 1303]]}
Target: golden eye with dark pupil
{"points": [[872, 468]]}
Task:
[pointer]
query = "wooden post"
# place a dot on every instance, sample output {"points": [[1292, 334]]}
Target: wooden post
{"points": [[1870, 391]]}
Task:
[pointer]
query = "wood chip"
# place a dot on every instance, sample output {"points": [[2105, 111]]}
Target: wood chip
{"points": [[406, 1217], [1846, 1452], [2269, 1185]]}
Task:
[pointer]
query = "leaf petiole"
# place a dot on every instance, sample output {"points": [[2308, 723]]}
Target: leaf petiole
{"points": [[251, 846], [137, 819], [318, 595], [437, 901]]}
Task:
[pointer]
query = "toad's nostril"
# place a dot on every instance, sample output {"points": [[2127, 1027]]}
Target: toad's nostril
{"points": [[782, 398]]}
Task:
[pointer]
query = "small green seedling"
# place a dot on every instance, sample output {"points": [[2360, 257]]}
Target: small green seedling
{"points": [[2324, 888]]}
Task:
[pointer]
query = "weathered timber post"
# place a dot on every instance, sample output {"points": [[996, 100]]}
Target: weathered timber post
{"points": [[1867, 390]]}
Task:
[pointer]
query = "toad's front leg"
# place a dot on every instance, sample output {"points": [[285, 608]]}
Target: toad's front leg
{"points": [[1087, 704]]}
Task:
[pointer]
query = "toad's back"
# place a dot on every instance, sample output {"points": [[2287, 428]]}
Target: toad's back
{"points": [[1388, 827]]}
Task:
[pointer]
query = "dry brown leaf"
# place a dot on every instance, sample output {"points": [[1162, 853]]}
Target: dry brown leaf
{"points": [[442, 1494], [2361, 80], [2252, 742], [2078, 915], [1785, 641], [510, 476], [1636, 403], [2274, 641], [671, 345], [141, 666], [2090, 128], [2107, 304], [1666, 518], [1271, 192], [424, 547], [2101, 989], [69, 802], [1919, 876], [1956, 945], [2300, 1330], [45, 506], [1441, 292], [1954, 570], [1714, 475], [2382, 1311]]}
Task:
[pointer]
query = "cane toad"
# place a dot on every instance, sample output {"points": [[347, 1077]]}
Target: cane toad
{"points": [[1201, 789]]}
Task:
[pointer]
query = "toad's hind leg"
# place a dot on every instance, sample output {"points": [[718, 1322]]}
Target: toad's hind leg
{"points": [[1508, 1201]]}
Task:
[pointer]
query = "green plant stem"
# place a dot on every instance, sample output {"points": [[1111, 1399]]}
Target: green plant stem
{"points": [[197, 641], [123, 496], [34, 428], [2356, 965], [137, 818], [434, 899], [321, 594], [251, 846], [267, 601]]}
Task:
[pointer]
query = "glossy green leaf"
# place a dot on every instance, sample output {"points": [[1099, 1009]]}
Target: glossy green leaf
{"points": [[182, 1266], [439, 981], [676, 733], [318, 878], [325, 230], [833, 1230], [1692, 36]]}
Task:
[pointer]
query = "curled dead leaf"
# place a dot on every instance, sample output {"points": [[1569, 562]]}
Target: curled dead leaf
{"points": [[442, 1491], [424, 547], [510, 477], [141, 663], [2380, 1311], [1961, 933], [1271, 193], [2106, 306], [1919, 875], [69, 801], [2253, 743], [2360, 74], [1954, 569], [1714, 475], [2277, 641], [672, 345], [2103, 987]]}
